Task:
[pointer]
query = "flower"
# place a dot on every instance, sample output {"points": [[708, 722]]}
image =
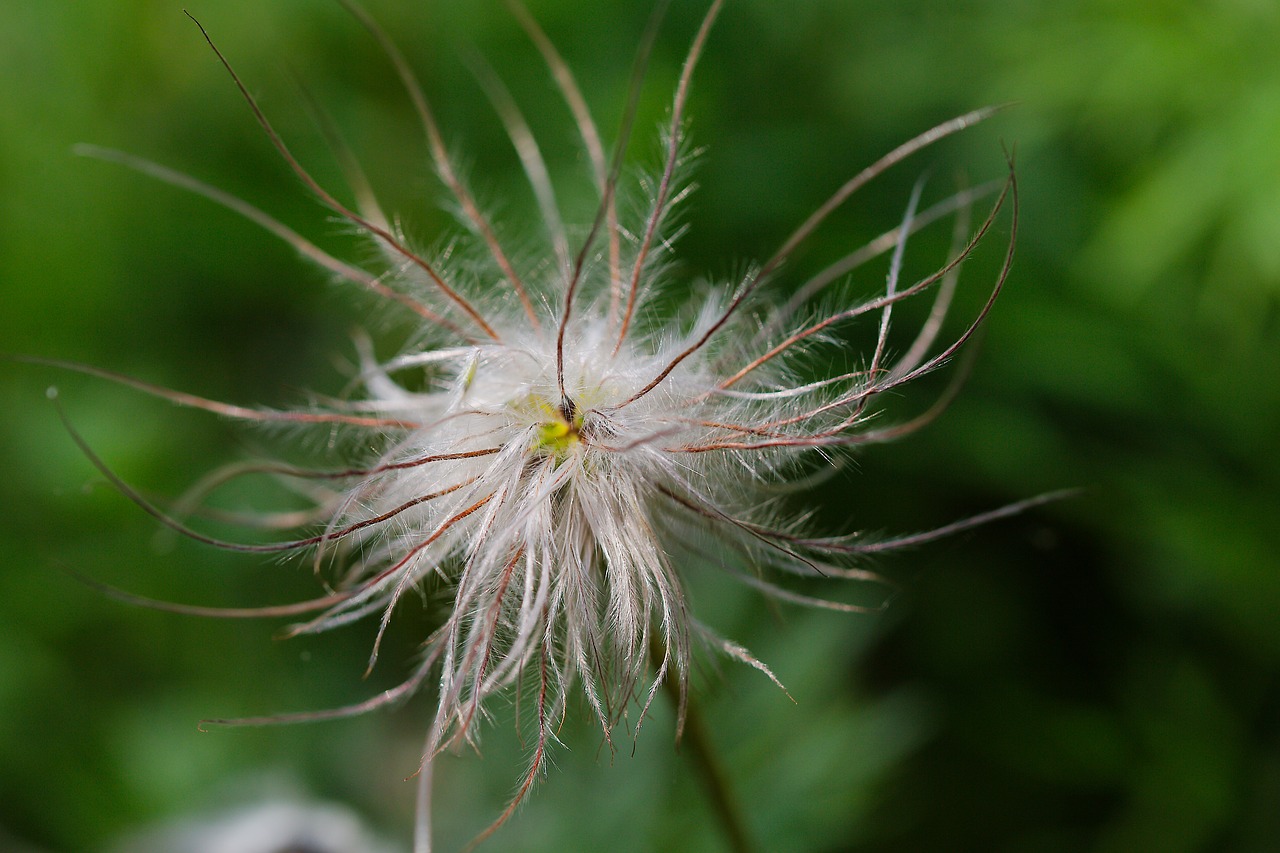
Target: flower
{"points": [[555, 443]]}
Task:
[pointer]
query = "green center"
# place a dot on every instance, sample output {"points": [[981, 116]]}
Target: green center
{"points": [[556, 435]]}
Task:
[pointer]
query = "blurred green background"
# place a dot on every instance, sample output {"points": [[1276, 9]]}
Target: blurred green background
{"points": [[1099, 674]]}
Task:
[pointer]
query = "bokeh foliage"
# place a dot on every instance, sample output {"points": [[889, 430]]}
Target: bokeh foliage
{"points": [[1100, 674]]}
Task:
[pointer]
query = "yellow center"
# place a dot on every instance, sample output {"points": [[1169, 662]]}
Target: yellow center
{"points": [[556, 435]]}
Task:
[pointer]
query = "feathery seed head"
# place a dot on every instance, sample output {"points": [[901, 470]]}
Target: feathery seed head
{"points": [[550, 460]]}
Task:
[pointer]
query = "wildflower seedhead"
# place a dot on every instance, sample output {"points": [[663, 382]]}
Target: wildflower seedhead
{"points": [[554, 455]]}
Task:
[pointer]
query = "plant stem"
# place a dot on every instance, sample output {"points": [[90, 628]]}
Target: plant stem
{"points": [[710, 773]]}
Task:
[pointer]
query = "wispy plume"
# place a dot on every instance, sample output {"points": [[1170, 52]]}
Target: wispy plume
{"points": [[559, 442]]}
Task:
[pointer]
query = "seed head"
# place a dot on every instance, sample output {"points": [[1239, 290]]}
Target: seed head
{"points": [[556, 446]]}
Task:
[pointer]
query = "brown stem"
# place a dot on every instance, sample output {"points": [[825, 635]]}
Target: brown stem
{"points": [[709, 771]]}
